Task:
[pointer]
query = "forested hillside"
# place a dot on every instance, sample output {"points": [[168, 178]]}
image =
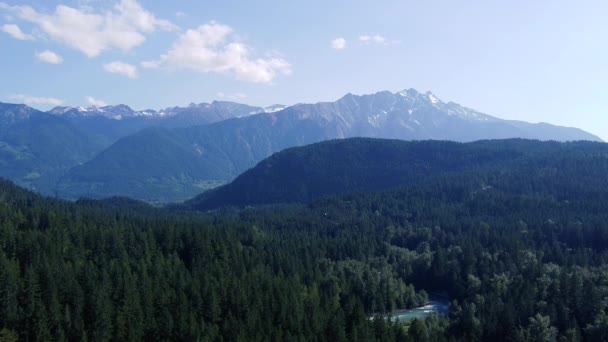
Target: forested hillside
{"points": [[521, 252], [305, 173]]}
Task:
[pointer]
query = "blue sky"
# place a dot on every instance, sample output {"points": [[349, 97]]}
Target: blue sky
{"points": [[527, 60]]}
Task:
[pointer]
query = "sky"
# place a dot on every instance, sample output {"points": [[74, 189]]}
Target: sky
{"points": [[537, 61]]}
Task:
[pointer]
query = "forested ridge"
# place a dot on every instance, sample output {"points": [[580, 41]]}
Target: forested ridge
{"points": [[302, 174], [520, 248]]}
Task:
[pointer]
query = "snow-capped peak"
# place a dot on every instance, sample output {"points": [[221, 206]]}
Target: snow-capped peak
{"points": [[60, 110], [147, 112], [270, 109], [118, 112], [274, 108], [408, 93], [433, 98]]}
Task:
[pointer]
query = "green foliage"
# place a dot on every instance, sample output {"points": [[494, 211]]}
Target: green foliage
{"points": [[521, 248], [540, 329], [303, 174], [119, 269]]}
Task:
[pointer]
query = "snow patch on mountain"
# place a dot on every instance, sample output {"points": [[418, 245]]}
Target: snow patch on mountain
{"points": [[433, 99], [274, 108]]}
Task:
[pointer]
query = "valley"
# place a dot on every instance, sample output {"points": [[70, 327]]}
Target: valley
{"points": [[164, 156]]}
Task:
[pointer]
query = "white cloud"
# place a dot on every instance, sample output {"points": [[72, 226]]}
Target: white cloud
{"points": [[93, 32], [367, 39], [121, 68], [180, 14], [213, 48], [150, 64], [15, 32], [95, 102], [338, 44], [235, 96], [33, 100], [49, 57]]}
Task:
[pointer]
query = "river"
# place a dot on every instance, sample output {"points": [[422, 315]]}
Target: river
{"points": [[437, 305]]}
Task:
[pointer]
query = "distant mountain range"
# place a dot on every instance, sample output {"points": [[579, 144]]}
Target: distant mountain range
{"points": [[202, 113], [36, 148], [176, 153]]}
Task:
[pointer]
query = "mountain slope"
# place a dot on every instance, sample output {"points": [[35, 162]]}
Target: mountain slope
{"points": [[218, 152], [303, 174], [410, 114], [36, 147], [159, 164], [168, 161]]}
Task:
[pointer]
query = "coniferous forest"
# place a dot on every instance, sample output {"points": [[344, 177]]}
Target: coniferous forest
{"points": [[520, 247]]}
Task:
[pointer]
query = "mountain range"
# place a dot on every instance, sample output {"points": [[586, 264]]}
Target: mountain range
{"points": [[202, 113], [176, 153]]}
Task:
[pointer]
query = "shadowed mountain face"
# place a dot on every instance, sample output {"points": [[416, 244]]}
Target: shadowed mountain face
{"points": [[177, 163], [36, 147], [302, 174]]}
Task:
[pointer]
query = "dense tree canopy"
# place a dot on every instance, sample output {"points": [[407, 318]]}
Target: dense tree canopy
{"points": [[303, 174], [521, 251]]}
